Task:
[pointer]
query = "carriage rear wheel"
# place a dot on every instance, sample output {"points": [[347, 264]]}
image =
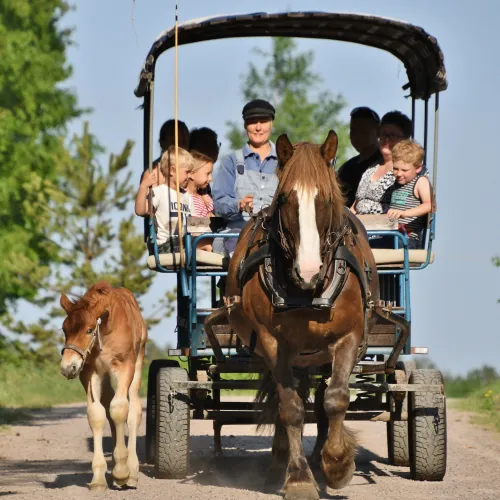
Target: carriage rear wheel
{"points": [[172, 424], [397, 432], [427, 428], [151, 406]]}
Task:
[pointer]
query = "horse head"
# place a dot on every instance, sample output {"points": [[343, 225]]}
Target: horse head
{"points": [[82, 328], [309, 206]]}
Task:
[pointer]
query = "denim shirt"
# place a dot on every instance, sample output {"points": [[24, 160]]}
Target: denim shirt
{"points": [[224, 183]]}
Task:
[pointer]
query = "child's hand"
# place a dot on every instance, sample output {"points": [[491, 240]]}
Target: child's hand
{"points": [[395, 214], [149, 179]]}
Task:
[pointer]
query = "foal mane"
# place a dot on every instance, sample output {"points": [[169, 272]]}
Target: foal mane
{"points": [[307, 169], [96, 295]]}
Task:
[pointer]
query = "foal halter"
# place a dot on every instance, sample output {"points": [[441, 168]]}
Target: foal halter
{"points": [[96, 335]]}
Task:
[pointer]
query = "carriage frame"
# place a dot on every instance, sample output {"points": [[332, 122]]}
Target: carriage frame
{"points": [[388, 386]]}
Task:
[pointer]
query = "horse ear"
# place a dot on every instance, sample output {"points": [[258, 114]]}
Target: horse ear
{"points": [[284, 149], [66, 304], [329, 148]]}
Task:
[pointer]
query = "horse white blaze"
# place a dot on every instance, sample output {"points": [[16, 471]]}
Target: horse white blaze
{"points": [[309, 255]]}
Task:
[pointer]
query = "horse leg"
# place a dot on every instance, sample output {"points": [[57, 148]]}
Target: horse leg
{"points": [[321, 422], [134, 421], [107, 395], [299, 481], [96, 415], [339, 450], [118, 409]]}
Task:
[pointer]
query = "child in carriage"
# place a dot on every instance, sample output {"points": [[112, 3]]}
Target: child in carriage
{"points": [[204, 148], [410, 196], [165, 198]]}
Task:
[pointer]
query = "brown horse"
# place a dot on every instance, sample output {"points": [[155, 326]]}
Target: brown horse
{"points": [[105, 341], [308, 302]]}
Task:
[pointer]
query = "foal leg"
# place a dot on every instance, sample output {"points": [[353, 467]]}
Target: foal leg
{"points": [[118, 409], [107, 395], [134, 421], [96, 415], [339, 450]]}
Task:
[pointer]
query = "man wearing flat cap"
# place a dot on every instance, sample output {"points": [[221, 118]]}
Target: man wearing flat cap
{"points": [[246, 179]]}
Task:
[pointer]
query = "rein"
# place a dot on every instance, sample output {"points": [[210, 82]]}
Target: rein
{"points": [[96, 335]]}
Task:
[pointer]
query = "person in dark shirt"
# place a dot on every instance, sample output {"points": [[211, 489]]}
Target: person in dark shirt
{"points": [[364, 130]]}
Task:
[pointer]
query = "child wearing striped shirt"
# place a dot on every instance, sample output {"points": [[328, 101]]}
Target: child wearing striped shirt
{"points": [[411, 198]]}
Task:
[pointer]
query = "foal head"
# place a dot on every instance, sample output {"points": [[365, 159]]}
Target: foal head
{"points": [[310, 204], [85, 318]]}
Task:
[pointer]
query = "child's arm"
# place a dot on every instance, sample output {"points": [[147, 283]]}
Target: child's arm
{"points": [[423, 192], [141, 200]]}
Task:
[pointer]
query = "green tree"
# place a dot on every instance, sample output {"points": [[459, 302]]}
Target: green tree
{"points": [[93, 243], [34, 110], [303, 110]]}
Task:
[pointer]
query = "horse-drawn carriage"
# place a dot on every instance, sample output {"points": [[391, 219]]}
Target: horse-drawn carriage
{"points": [[385, 385]]}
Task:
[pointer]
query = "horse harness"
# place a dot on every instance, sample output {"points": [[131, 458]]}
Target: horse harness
{"points": [[96, 335], [337, 258]]}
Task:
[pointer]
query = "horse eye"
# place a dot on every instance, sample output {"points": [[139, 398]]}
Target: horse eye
{"points": [[89, 331]]}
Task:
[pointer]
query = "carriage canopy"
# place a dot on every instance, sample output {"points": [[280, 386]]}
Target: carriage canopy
{"points": [[413, 46]]}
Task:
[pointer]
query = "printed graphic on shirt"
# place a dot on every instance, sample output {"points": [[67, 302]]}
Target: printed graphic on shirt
{"points": [[399, 197]]}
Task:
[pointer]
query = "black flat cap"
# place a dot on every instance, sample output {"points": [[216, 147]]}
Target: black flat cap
{"points": [[258, 109]]}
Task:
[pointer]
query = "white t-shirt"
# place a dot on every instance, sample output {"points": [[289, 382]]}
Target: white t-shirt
{"points": [[165, 203]]}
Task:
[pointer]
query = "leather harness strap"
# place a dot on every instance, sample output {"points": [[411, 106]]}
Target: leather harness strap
{"points": [[96, 335]]}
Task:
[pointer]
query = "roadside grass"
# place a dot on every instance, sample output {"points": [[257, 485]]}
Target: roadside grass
{"points": [[485, 404]]}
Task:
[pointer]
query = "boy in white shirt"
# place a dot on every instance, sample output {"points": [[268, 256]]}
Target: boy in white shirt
{"points": [[165, 198]]}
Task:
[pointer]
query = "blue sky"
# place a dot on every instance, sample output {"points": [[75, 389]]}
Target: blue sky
{"points": [[454, 307]]}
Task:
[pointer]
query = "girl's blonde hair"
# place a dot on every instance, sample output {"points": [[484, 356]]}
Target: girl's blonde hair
{"points": [[168, 160], [200, 160]]}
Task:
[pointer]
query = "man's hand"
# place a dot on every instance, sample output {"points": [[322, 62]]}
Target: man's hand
{"points": [[246, 203], [395, 214]]}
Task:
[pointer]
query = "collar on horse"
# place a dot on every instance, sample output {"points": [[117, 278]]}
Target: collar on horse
{"points": [[96, 335], [337, 258]]}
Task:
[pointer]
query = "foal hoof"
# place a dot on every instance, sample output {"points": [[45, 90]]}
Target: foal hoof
{"points": [[98, 487], [132, 483]]}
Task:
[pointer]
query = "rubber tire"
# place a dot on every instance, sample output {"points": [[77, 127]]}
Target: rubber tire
{"points": [[427, 428], [172, 429], [150, 441], [398, 451]]}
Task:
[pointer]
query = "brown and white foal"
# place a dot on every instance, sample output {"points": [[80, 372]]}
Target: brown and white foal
{"points": [[105, 341]]}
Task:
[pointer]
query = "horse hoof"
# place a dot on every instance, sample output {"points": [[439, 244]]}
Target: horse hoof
{"points": [[132, 483], [301, 492], [98, 487]]}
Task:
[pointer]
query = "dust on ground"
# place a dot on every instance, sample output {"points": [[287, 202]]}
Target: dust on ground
{"points": [[49, 457]]}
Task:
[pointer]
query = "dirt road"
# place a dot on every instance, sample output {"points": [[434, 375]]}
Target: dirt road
{"points": [[49, 458]]}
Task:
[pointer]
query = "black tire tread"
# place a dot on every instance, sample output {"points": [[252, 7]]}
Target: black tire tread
{"points": [[397, 432], [172, 431], [150, 440], [427, 425]]}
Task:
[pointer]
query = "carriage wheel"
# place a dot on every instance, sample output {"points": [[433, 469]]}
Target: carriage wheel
{"points": [[151, 406], [397, 432], [172, 424], [427, 428]]}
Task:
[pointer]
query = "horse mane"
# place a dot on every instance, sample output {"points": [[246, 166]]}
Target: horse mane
{"points": [[96, 294], [307, 169]]}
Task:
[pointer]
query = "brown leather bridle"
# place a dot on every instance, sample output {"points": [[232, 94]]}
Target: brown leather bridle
{"points": [[96, 335]]}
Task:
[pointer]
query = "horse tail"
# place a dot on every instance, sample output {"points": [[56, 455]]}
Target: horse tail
{"points": [[266, 402]]}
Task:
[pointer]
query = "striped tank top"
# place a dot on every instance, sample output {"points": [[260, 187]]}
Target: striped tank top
{"points": [[403, 198]]}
